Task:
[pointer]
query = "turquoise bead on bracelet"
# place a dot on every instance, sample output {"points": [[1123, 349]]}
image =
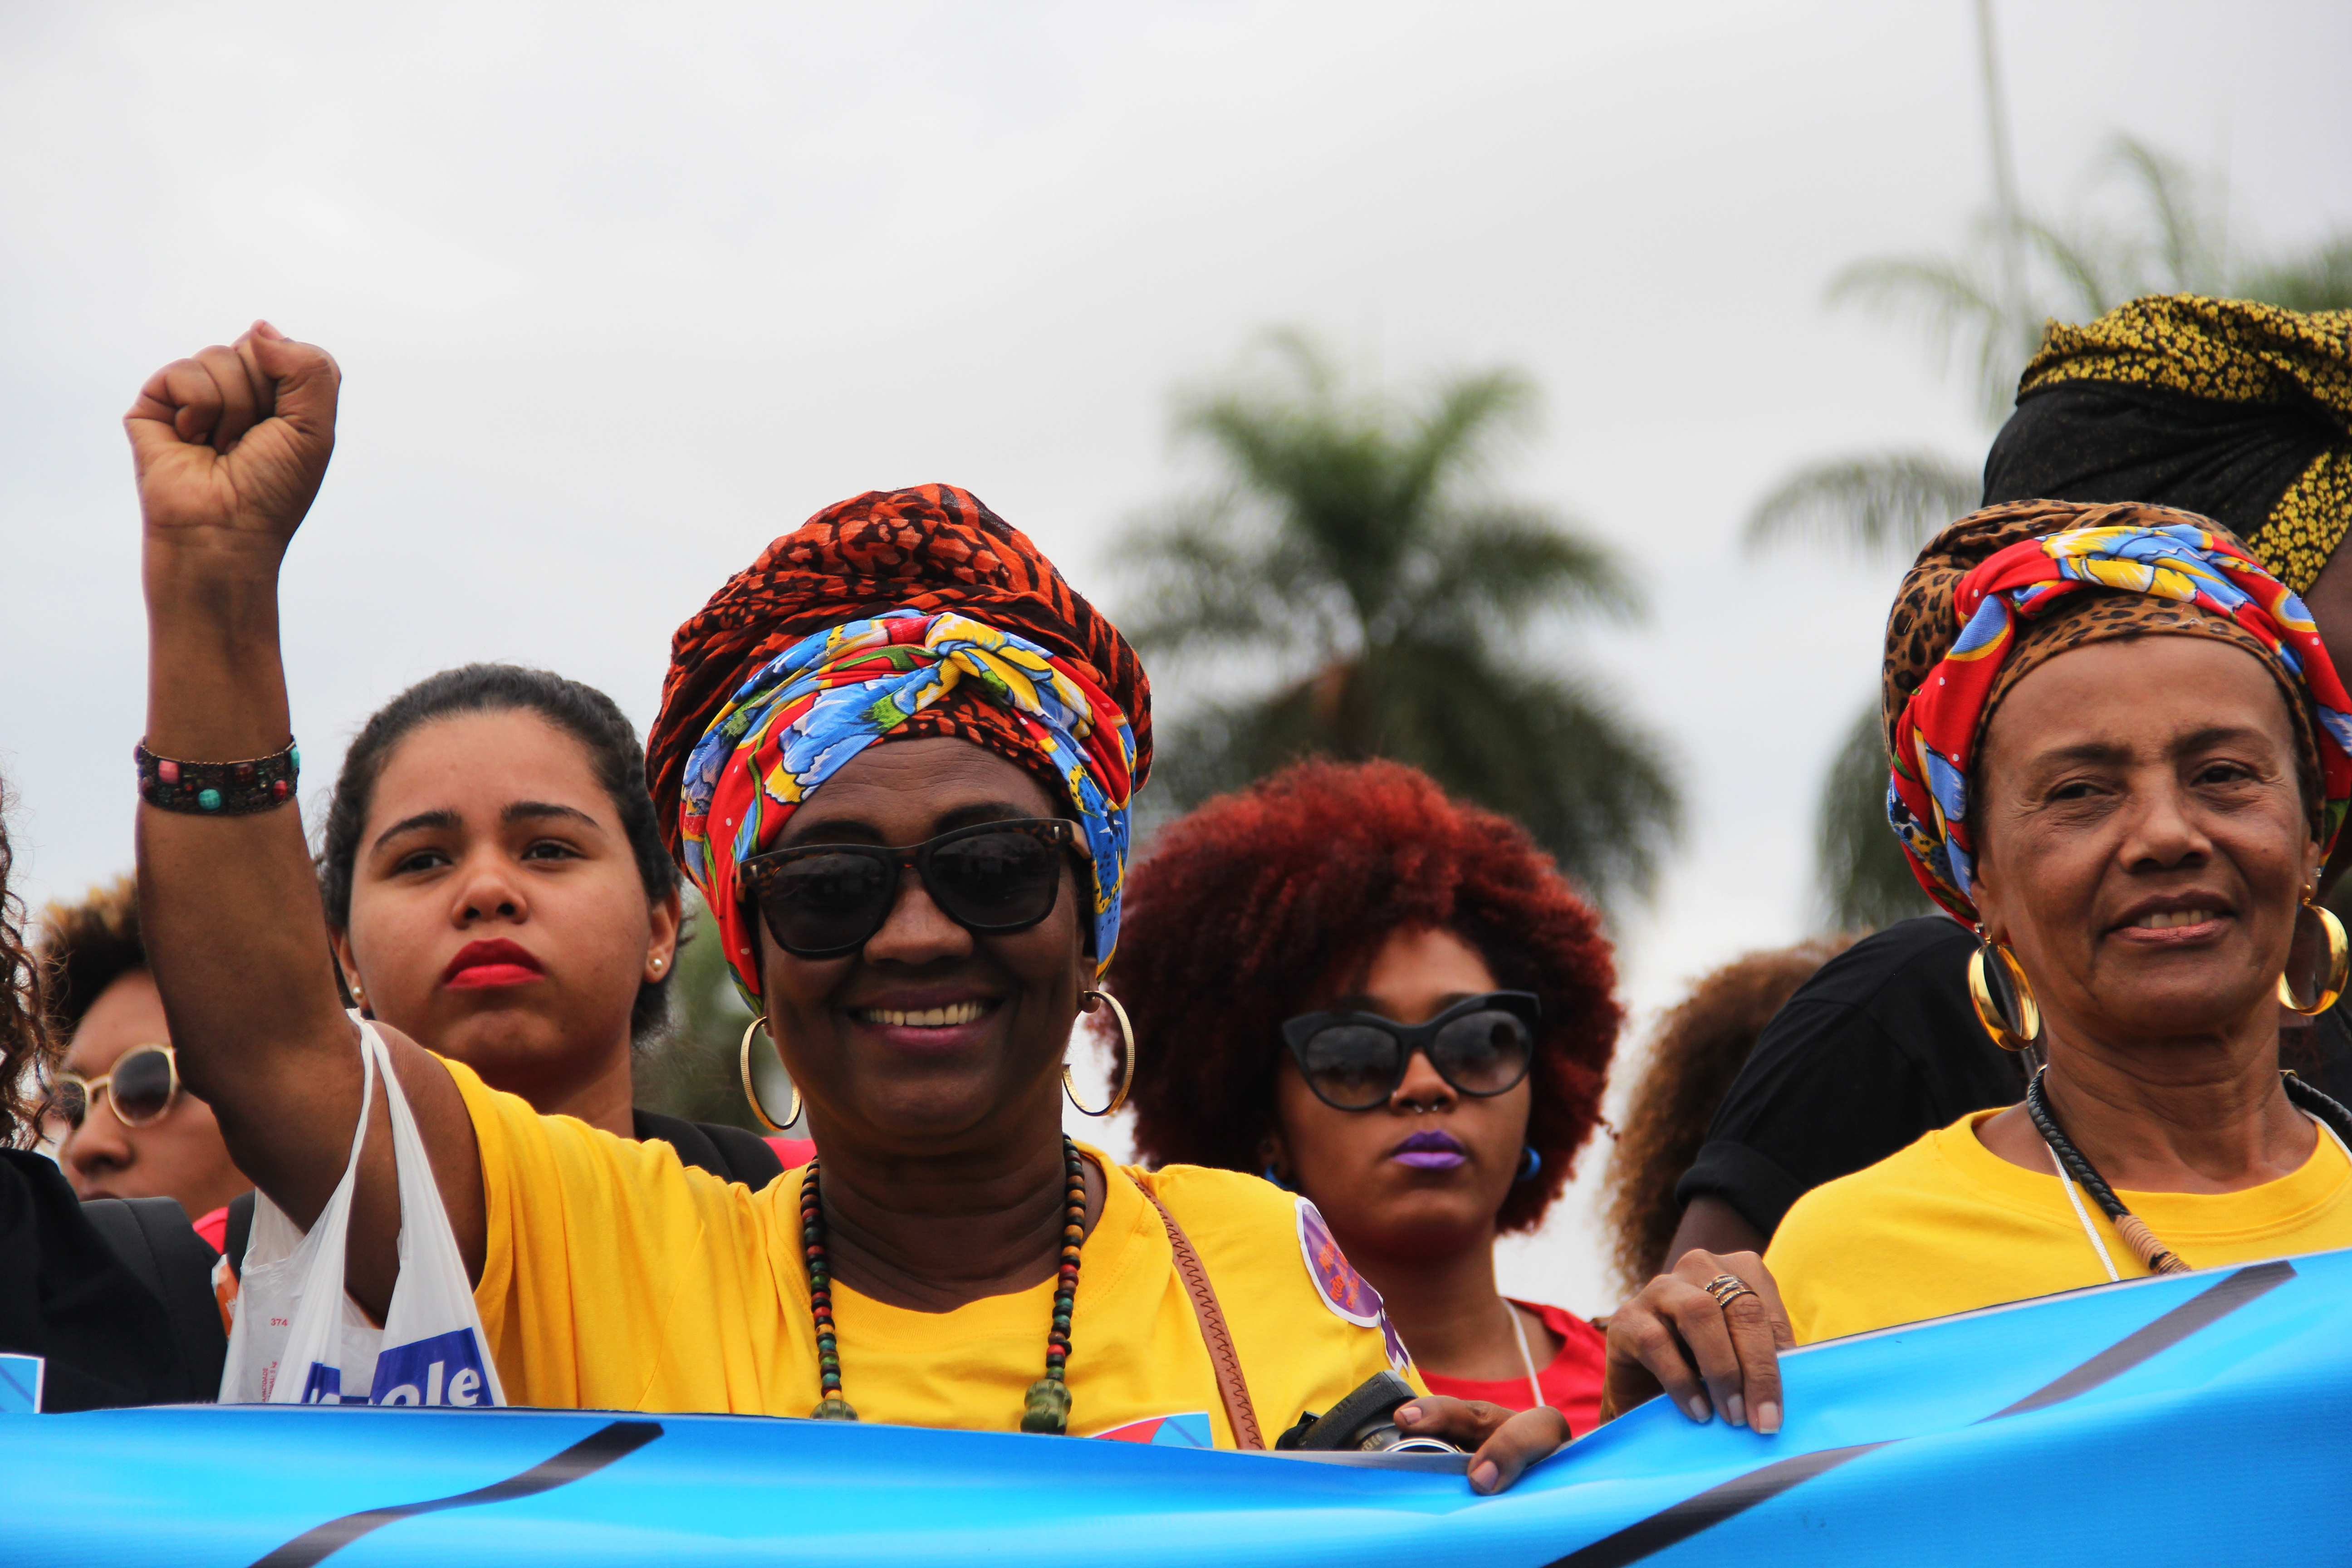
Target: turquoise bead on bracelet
{"points": [[217, 789]]}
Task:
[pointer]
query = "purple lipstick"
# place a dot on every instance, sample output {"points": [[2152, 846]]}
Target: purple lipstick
{"points": [[1430, 1152]]}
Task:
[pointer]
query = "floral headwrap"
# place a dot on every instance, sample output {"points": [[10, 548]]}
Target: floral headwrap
{"points": [[890, 616], [2004, 591]]}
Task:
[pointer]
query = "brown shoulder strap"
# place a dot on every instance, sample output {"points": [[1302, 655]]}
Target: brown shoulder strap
{"points": [[1239, 1414]]}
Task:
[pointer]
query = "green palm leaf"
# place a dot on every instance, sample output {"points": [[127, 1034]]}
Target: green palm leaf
{"points": [[1874, 502]]}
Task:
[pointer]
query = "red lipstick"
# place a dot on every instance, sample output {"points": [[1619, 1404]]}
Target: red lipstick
{"points": [[480, 965]]}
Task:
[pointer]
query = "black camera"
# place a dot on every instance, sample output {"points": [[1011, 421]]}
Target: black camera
{"points": [[1362, 1423]]}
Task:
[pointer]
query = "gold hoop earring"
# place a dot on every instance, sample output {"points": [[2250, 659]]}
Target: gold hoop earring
{"points": [[1087, 1002], [751, 1091], [2003, 996], [2303, 955]]}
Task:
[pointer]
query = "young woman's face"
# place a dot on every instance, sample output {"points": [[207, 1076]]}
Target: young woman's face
{"points": [[1421, 1176], [497, 913], [931, 1037], [179, 1154]]}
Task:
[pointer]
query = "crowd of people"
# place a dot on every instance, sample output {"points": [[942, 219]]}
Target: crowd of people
{"points": [[1364, 1029]]}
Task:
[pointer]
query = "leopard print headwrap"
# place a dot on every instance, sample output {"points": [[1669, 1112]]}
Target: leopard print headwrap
{"points": [[2005, 590]]}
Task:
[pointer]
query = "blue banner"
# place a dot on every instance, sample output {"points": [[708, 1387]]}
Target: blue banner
{"points": [[2197, 1418]]}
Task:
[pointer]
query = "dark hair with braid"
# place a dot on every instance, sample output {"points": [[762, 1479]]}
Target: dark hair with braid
{"points": [[24, 1033], [585, 713]]}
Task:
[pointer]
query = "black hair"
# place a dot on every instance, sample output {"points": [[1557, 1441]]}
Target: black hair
{"points": [[585, 713]]}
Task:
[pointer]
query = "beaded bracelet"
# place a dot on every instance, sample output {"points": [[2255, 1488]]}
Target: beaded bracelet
{"points": [[217, 789]]}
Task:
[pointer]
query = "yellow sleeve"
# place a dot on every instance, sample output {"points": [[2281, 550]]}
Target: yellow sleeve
{"points": [[1308, 1336], [595, 1246]]}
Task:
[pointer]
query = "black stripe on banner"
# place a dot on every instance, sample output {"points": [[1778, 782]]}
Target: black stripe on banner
{"points": [[613, 1441], [2208, 1306], [1687, 1518]]}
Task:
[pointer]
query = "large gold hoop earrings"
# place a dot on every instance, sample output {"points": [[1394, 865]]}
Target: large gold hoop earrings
{"points": [[2003, 996], [2320, 951], [751, 1090], [1087, 1004]]}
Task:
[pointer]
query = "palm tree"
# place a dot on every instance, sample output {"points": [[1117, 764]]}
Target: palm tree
{"points": [[2169, 236], [1352, 589]]}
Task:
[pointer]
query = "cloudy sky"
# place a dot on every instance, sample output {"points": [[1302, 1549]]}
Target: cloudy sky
{"points": [[620, 293]]}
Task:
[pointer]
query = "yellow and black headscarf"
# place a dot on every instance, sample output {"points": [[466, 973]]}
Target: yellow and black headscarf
{"points": [[2237, 411]]}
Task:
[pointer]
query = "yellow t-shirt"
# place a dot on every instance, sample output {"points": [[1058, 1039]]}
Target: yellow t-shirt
{"points": [[617, 1278], [1947, 1225]]}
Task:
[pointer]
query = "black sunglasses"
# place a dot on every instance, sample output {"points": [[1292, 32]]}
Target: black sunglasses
{"points": [[1355, 1061], [822, 900]]}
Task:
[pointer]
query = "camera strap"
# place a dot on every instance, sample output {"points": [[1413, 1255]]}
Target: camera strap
{"points": [[1239, 1414]]}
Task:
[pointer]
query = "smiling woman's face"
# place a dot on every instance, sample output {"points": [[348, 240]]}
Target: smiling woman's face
{"points": [[1423, 1176], [989, 1068], [2145, 839]]}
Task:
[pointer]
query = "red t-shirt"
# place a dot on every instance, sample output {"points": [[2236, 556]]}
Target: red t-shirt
{"points": [[1571, 1384], [214, 1227]]}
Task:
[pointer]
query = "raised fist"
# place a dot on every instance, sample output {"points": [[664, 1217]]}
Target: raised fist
{"points": [[230, 446]]}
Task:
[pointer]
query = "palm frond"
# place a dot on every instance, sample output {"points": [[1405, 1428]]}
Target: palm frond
{"points": [[1554, 754], [1451, 441], [2186, 229], [1194, 580], [1500, 566], [2318, 280], [1873, 503], [1955, 303]]}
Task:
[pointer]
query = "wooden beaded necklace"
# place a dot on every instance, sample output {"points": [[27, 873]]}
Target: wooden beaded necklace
{"points": [[1047, 1407]]}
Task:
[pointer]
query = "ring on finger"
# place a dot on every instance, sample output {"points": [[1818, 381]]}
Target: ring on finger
{"points": [[1726, 1288]]}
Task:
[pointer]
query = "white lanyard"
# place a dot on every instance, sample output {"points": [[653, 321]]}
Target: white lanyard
{"points": [[1534, 1386]]}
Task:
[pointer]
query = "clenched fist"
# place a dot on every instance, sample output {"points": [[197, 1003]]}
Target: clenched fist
{"points": [[230, 446]]}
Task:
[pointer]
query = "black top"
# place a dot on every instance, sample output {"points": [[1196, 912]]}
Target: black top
{"points": [[1878, 1049], [65, 1295], [729, 1153]]}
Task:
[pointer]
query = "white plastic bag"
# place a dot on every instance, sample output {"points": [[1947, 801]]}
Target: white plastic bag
{"points": [[299, 1340]]}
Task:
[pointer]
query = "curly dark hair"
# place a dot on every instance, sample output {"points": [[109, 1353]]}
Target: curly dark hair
{"points": [[581, 711], [87, 947], [1250, 903], [1698, 1050], [24, 1030]]}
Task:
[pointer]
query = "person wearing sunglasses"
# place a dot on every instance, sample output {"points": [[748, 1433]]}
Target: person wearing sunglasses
{"points": [[1390, 1002], [80, 1329], [123, 1126], [903, 667]]}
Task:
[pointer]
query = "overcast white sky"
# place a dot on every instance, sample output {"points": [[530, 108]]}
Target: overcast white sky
{"points": [[621, 292]]}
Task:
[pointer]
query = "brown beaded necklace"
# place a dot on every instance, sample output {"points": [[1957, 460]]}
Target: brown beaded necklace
{"points": [[1047, 1408]]}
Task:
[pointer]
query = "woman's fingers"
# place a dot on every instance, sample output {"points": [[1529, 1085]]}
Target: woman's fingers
{"points": [[1503, 1443], [1525, 1437], [1706, 1345], [183, 398], [1465, 1423]]}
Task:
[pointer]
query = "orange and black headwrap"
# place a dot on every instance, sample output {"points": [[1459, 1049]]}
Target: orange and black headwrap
{"points": [[892, 615]]}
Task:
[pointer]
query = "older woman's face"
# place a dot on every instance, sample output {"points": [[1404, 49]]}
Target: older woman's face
{"points": [[1004, 1002], [2144, 838], [1424, 1174]]}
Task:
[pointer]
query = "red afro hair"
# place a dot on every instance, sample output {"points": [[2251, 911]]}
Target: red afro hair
{"points": [[1250, 904]]}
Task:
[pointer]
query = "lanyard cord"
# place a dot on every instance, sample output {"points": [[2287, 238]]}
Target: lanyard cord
{"points": [[1534, 1386], [2072, 1170]]}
